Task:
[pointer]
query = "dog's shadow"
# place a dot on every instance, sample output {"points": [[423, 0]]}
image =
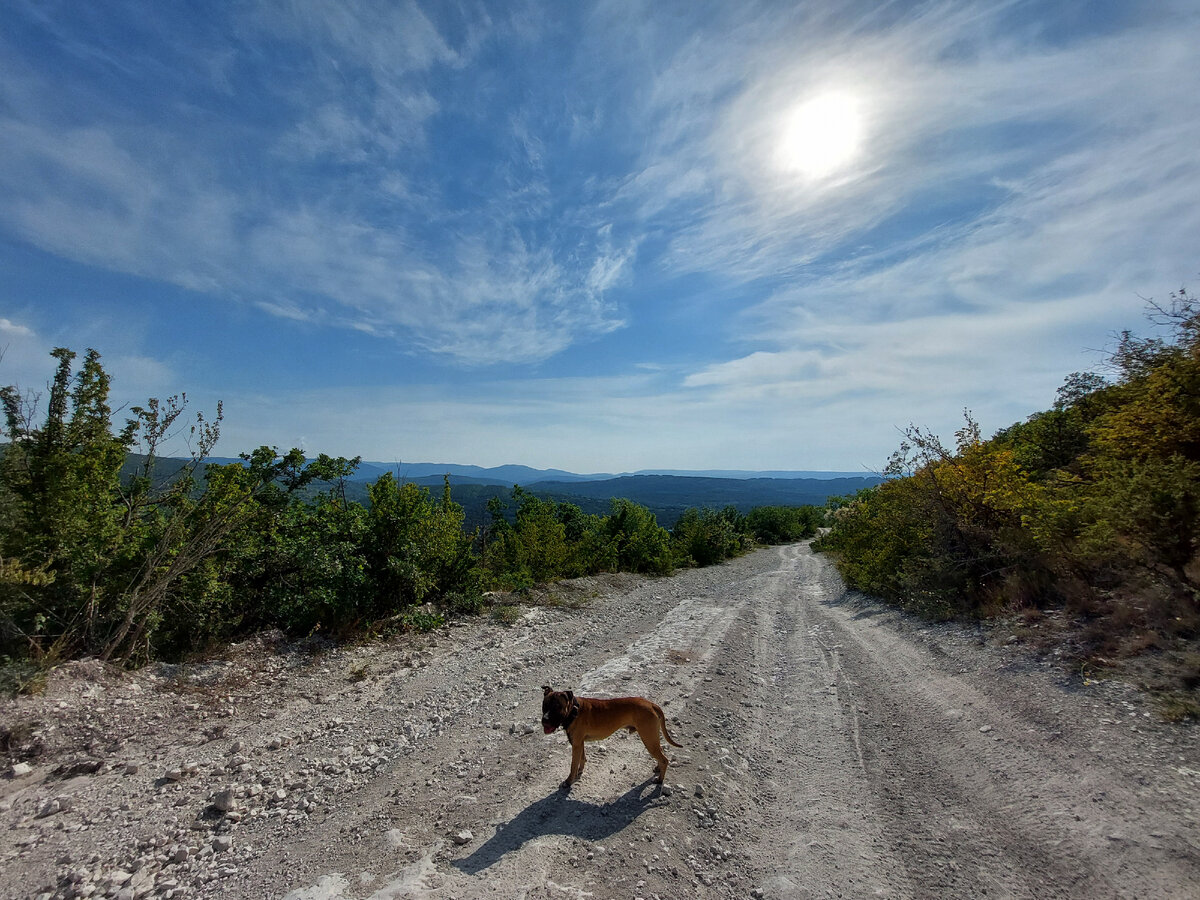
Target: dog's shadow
{"points": [[560, 813]]}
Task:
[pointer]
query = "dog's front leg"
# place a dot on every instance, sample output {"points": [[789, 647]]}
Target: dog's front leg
{"points": [[578, 758]]}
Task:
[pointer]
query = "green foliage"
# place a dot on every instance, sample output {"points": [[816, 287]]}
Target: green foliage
{"points": [[105, 552], [123, 568], [420, 620], [547, 540], [634, 541], [783, 524], [703, 537], [110, 557], [507, 614], [1147, 512], [460, 604], [415, 546], [327, 564], [21, 675], [302, 565], [534, 547], [1094, 502], [881, 544]]}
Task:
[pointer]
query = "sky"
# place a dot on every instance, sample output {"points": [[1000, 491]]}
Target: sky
{"points": [[597, 236]]}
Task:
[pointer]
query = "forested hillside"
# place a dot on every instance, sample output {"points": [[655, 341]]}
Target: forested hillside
{"points": [[1091, 507], [666, 496], [109, 550]]}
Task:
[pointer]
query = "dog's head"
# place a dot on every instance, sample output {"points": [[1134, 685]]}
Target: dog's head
{"points": [[558, 708]]}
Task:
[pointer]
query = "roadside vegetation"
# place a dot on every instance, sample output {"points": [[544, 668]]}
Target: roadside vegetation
{"points": [[1088, 511], [102, 554]]}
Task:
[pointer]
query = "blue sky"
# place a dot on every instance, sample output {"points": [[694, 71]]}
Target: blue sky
{"points": [[597, 236]]}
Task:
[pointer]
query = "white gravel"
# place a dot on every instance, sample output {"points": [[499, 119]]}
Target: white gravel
{"points": [[832, 748]]}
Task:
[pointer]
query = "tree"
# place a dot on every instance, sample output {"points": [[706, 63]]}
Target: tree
{"points": [[414, 548], [946, 531], [636, 541], [117, 557], [703, 537]]}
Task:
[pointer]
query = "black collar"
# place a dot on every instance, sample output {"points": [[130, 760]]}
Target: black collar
{"points": [[575, 707]]}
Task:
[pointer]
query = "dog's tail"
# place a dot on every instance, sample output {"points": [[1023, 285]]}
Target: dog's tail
{"points": [[662, 721]]}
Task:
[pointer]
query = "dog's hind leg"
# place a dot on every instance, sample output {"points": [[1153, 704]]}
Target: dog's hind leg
{"points": [[650, 739]]}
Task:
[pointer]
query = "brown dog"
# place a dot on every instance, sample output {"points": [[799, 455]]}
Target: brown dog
{"points": [[586, 719]]}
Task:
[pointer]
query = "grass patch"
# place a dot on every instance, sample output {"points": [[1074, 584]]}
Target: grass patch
{"points": [[1178, 708], [574, 600], [507, 614], [21, 676]]}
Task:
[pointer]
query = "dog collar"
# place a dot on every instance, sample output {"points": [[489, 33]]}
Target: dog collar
{"points": [[571, 718]]}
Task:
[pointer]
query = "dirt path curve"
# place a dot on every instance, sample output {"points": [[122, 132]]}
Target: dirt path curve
{"points": [[832, 749]]}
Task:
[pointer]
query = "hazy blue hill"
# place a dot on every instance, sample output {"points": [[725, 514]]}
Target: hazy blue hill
{"points": [[505, 475], [751, 473], [164, 470], [525, 475], [429, 472], [666, 495], [684, 491]]}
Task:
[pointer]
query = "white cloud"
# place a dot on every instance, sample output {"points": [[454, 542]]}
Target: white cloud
{"points": [[1014, 194], [24, 357], [1064, 189], [626, 423], [148, 200], [14, 329], [26, 363], [951, 112]]}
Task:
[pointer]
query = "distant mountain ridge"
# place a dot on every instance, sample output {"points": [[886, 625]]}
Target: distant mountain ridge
{"points": [[666, 493], [508, 475], [676, 493]]}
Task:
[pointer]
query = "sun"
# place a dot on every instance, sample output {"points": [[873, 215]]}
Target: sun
{"points": [[821, 135]]}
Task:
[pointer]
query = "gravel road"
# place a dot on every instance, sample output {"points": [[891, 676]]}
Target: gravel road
{"points": [[832, 748]]}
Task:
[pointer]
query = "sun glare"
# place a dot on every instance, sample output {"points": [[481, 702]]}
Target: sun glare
{"points": [[821, 135]]}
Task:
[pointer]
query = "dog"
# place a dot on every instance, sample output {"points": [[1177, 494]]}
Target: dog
{"points": [[589, 719]]}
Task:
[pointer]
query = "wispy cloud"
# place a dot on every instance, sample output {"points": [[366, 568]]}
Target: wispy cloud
{"points": [[956, 115], [1013, 197], [357, 251], [488, 184]]}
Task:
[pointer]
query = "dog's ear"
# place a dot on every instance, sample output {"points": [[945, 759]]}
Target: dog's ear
{"points": [[570, 699], [545, 689]]}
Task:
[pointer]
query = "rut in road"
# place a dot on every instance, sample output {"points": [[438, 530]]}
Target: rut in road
{"points": [[890, 771]]}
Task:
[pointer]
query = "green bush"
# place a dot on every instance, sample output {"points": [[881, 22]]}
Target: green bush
{"points": [[462, 604], [534, 548], [415, 547], [303, 566], [115, 557], [783, 524], [1094, 503], [547, 540], [703, 537], [635, 542]]}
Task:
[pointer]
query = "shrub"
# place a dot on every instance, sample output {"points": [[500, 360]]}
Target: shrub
{"points": [[704, 537], [1094, 503], [636, 542], [783, 524]]}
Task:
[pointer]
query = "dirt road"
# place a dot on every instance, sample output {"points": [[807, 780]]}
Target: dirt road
{"points": [[832, 749]]}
